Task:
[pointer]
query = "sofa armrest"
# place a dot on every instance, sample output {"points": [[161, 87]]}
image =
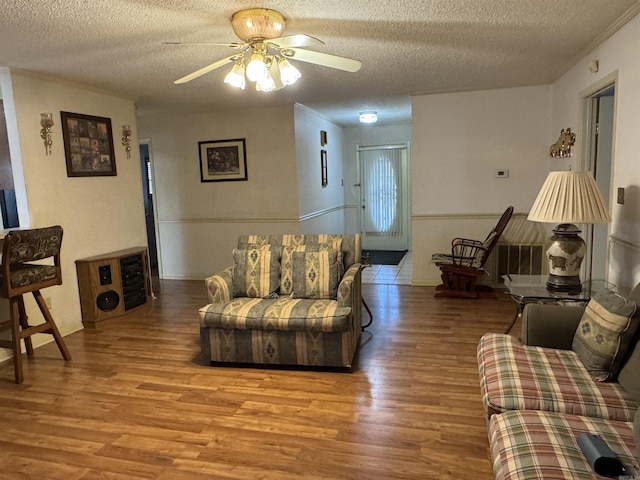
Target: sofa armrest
{"points": [[346, 288], [551, 326], [220, 286]]}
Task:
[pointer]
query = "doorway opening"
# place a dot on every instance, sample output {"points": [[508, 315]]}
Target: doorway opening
{"points": [[8, 204], [147, 194], [600, 120]]}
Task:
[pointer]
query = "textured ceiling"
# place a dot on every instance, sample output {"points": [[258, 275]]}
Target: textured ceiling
{"points": [[405, 46]]}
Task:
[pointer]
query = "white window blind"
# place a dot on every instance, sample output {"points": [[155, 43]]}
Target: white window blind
{"points": [[382, 191]]}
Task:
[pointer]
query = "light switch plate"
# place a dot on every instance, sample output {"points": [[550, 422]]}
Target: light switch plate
{"points": [[621, 195], [502, 173]]}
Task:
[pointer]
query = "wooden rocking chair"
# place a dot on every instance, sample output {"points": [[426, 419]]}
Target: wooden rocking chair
{"points": [[465, 264]]}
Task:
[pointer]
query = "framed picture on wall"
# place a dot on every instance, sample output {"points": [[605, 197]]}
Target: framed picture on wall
{"points": [[88, 145], [323, 168], [223, 160]]}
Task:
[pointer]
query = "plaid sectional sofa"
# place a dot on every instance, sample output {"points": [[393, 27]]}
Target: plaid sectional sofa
{"points": [[540, 395], [287, 300]]}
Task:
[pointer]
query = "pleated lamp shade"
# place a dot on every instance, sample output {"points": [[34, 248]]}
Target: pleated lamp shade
{"points": [[569, 197]]}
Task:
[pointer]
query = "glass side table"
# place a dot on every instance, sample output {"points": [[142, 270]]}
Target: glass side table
{"points": [[533, 289]]}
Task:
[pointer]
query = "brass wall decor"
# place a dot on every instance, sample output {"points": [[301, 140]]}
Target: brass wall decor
{"points": [[46, 121], [562, 147], [126, 139]]}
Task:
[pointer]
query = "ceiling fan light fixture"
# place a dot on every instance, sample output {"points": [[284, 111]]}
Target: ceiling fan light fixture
{"points": [[288, 73], [266, 84], [235, 77], [263, 57], [368, 117], [257, 23], [257, 69]]}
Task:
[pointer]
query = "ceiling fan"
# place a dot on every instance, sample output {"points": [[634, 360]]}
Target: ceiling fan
{"points": [[264, 56]]}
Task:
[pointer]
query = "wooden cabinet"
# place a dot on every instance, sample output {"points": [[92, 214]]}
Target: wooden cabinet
{"points": [[113, 284]]}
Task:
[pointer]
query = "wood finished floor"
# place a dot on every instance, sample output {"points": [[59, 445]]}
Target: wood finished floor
{"points": [[137, 401]]}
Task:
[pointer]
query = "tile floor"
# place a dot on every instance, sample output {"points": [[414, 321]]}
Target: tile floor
{"points": [[390, 274]]}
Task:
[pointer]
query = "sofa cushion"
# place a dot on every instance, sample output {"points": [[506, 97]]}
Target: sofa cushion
{"points": [[315, 274], [604, 334], [282, 313], [514, 376], [529, 444], [286, 276], [628, 377], [256, 272], [27, 274]]}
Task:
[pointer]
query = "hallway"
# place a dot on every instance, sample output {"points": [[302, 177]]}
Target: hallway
{"points": [[390, 274]]}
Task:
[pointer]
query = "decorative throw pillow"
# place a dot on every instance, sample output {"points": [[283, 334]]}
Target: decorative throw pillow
{"points": [[604, 333], [315, 274], [328, 241], [256, 272], [286, 279]]}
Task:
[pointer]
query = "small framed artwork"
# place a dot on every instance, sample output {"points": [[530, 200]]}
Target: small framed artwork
{"points": [[323, 138], [223, 160], [323, 168], [88, 145]]}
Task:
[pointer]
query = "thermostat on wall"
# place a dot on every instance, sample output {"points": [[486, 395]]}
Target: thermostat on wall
{"points": [[502, 173]]}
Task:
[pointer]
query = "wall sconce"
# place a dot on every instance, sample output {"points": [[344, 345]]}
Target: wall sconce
{"points": [[562, 147], [46, 120], [126, 139]]}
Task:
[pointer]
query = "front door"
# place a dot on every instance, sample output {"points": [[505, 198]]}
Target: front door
{"points": [[384, 197]]}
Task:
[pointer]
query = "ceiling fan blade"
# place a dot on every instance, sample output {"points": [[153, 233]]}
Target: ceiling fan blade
{"points": [[207, 69], [324, 59], [235, 45], [291, 41]]}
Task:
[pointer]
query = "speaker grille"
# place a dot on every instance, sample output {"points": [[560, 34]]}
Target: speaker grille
{"points": [[107, 301]]}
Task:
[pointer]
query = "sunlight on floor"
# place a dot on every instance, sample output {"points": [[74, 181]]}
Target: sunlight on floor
{"points": [[390, 274]]}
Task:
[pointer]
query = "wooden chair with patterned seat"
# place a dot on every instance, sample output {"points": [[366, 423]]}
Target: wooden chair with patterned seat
{"points": [[461, 269], [19, 276]]}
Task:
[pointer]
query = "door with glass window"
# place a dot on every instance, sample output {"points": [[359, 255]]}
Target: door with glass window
{"points": [[384, 205]]}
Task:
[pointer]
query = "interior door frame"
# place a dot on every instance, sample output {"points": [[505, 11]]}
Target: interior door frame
{"points": [[589, 149], [154, 201], [406, 187]]}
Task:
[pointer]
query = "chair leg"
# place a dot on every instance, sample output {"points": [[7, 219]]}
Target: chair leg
{"points": [[24, 324], [52, 325], [15, 338]]}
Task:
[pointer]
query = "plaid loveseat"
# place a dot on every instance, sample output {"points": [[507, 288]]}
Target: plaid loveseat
{"points": [[539, 397], [285, 302]]}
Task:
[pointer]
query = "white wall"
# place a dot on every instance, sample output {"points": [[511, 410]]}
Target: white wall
{"points": [[459, 142], [321, 208], [98, 214], [199, 222], [618, 59]]}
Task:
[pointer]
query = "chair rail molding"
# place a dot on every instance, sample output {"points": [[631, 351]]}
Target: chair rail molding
{"points": [[624, 243]]}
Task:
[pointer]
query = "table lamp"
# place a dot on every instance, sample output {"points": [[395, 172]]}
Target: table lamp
{"points": [[568, 198]]}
